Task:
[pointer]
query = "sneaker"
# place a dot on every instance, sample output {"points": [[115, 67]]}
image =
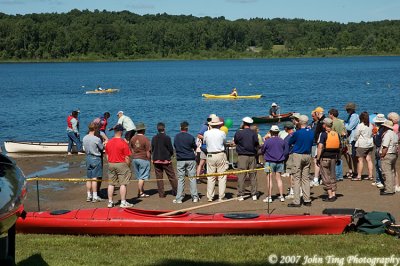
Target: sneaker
{"points": [[221, 199], [290, 196], [110, 204], [69, 153], [177, 201], [240, 198], [380, 185], [282, 198], [210, 200], [374, 183], [88, 199], [125, 205], [195, 200], [254, 197], [315, 184], [81, 153], [94, 200], [267, 199], [397, 188]]}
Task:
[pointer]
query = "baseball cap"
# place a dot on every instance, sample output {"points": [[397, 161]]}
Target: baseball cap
{"points": [[120, 112], [288, 125], [319, 109]]}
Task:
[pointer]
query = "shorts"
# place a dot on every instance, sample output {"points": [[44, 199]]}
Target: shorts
{"points": [[94, 166], [119, 173], [141, 169], [363, 152], [271, 167], [314, 151], [203, 156], [129, 134]]}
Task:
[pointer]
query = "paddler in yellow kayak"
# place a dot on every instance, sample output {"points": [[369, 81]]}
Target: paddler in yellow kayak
{"points": [[234, 92]]}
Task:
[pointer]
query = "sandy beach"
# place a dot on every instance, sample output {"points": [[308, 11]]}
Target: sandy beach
{"points": [[70, 195]]}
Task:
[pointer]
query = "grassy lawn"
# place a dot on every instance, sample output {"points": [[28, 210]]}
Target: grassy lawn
{"points": [[219, 250]]}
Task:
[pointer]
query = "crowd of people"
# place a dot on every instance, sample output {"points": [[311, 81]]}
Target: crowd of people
{"points": [[322, 141]]}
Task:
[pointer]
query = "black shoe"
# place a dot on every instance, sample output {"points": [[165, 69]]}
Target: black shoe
{"points": [[307, 203], [384, 193], [294, 205], [327, 199]]}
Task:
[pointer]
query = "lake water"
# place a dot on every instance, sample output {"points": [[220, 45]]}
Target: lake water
{"points": [[37, 97]]}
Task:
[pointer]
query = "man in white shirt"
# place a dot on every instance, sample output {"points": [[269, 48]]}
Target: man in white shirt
{"points": [[216, 158], [127, 124]]}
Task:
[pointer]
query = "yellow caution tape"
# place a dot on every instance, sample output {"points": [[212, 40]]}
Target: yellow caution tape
{"points": [[152, 180]]}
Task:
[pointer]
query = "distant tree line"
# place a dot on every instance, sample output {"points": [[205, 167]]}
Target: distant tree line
{"points": [[103, 35]]}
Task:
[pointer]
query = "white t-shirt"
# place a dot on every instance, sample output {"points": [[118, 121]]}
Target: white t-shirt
{"points": [[214, 140], [126, 123]]}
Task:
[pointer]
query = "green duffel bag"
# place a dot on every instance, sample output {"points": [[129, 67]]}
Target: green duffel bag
{"points": [[372, 222]]}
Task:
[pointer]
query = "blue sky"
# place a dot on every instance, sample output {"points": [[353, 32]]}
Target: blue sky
{"points": [[328, 10]]}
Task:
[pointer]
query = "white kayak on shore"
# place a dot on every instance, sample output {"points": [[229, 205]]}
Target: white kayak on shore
{"points": [[36, 147]]}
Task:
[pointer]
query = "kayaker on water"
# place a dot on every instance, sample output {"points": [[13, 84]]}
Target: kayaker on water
{"points": [[234, 92], [99, 88], [274, 110]]}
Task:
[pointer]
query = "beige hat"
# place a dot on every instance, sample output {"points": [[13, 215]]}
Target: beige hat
{"points": [[215, 121], [327, 121], [295, 115], [247, 120], [275, 128], [379, 118], [303, 119], [388, 124], [351, 106]]}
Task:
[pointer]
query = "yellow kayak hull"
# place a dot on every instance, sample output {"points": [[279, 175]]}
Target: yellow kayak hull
{"points": [[102, 91], [227, 96]]}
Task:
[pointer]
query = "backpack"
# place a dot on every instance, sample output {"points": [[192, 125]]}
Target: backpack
{"points": [[374, 222], [333, 141]]}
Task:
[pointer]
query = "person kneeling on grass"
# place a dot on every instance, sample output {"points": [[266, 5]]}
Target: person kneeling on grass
{"points": [[275, 152], [119, 172], [94, 164]]}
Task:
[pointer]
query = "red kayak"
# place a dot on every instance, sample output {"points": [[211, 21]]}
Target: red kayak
{"points": [[118, 221]]}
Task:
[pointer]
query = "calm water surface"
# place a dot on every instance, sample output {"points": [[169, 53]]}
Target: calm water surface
{"points": [[36, 98]]}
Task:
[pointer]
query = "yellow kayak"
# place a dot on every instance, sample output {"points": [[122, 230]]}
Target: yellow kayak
{"points": [[228, 96], [102, 91]]}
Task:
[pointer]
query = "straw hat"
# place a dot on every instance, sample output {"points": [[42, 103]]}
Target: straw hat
{"points": [[215, 121]]}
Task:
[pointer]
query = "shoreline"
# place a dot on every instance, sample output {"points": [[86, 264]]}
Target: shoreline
{"points": [[72, 195], [111, 60]]}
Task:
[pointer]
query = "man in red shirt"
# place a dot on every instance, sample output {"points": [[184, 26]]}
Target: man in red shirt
{"points": [[119, 172]]}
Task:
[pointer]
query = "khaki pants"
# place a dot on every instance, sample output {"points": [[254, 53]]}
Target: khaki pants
{"points": [[216, 163], [301, 176], [388, 171], [246, 162], [328, 173]]}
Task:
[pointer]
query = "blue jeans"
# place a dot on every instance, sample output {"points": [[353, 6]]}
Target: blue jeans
{"points": [[186, 168], [339, 170], [378, 167], [74, 138]]}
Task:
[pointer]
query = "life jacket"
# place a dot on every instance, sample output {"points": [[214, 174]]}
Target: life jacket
{"points": [[101, 123], [332, 141], [69, 118]]}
